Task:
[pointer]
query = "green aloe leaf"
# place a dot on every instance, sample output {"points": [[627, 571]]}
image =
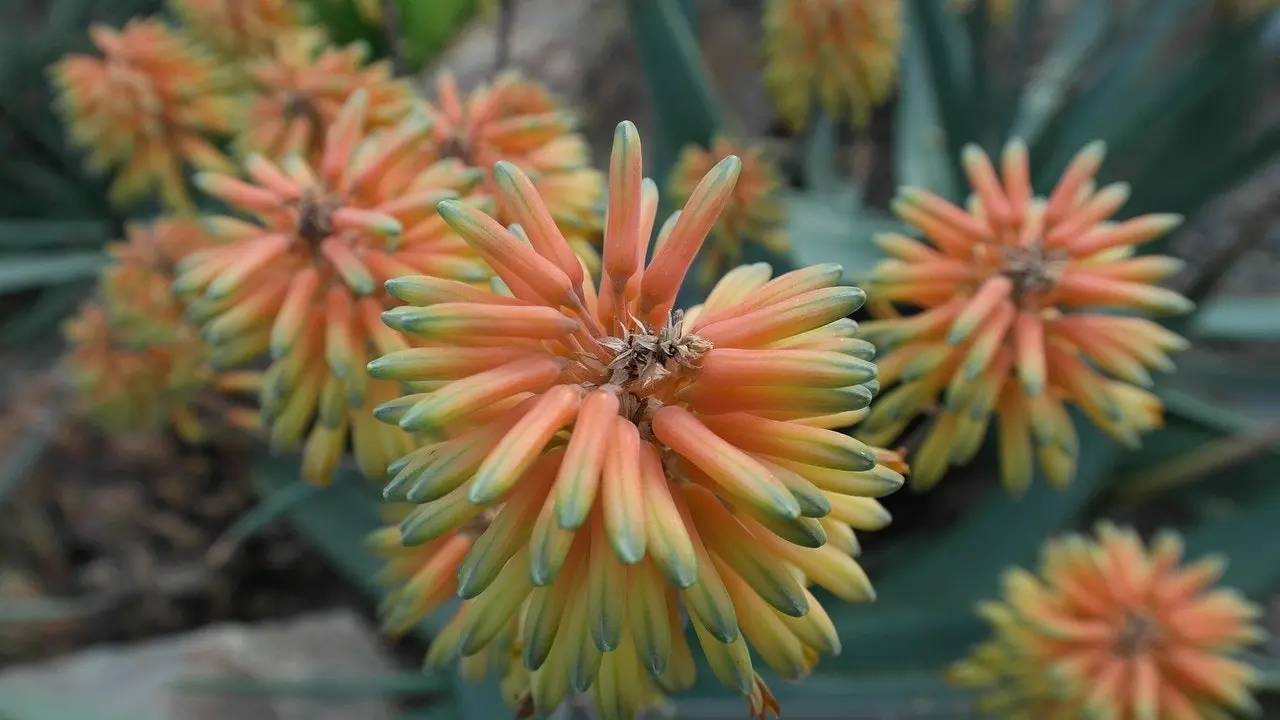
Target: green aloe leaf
{"points": [[686, 110], [1247, 539], [859, 697], [43, 234], [1003, 531], [826, 229], [1185, 122], [28, 271], [1047, 91], [1231, 396], [427, 28], [1126, 63], [821, 151], [1238, 320], [44, 314], [1220, 424], [921, 156], [949, 52], [346, 25]]}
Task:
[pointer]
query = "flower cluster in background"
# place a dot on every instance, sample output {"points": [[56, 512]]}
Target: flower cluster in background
{"points": [[298, 85], [1013, 329], [754, 212], [519, 121], [147, 110], [303, 279], [236, 29], [136, 361], [1109, 628], [840, 55]]}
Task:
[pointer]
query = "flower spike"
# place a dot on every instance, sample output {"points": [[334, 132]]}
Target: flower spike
{"points": [[609, 461]]}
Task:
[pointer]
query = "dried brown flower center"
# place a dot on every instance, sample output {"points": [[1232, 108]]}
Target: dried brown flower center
{"points": [[650, 367], [455, 147], [315, 222], [1032, 270], [298, 105], [1138, 631]]}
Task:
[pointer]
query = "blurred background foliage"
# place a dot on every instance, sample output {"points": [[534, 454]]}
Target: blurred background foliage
{"points": [[1183, 94]]}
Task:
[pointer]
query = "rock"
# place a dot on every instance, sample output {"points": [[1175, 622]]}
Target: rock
{"points": [[135, 681]]}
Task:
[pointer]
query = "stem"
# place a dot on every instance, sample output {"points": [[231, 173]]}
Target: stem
{"points": [[1251, 236], [391, 29], [1199, 464], [506, 21]]}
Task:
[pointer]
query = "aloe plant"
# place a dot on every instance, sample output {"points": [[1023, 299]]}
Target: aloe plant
{"points": [[1106, 75]]}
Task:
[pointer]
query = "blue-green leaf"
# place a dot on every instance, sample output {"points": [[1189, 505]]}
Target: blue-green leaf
{"points": [[1054, 78], [949, 52], [1236, 319], [821, 151], [43, 234], [921, 151], [427, 28], [1247, 538], [827, 229], [1003, 531], [685, 107], [859, 697], [28, 271]]}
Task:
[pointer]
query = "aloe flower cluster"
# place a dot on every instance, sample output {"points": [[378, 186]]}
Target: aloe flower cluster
{"points": [[520, 121], [606, 460], [1110, 628], [136, 362], [298, 86], [236, 29], [146, 109], [841, 55], [300, 277], [754, 212], [1019, 297]]}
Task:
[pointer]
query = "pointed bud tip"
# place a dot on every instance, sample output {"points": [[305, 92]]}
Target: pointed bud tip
{"points": [[972, 152], [1095, 152], [506, 170]]}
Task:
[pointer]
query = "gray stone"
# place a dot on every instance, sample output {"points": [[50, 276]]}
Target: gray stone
{"points": [[135, 681]]}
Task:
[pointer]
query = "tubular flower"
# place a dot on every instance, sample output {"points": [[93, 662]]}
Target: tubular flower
{"points": [[610, 460], [138, 361], [130, 382], [1109, 628], [238, 29], [841, 54], [754, 212], [521, 122], [298, 89], [145, 108], [136, 287], [1012, 326], [303, 279]]}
